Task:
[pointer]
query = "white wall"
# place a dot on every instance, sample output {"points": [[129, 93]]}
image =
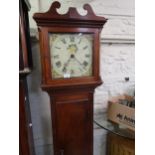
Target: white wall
{"points": [[116, 62]]}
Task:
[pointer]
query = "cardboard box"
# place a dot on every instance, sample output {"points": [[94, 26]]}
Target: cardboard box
{"points": [[121, 114]]}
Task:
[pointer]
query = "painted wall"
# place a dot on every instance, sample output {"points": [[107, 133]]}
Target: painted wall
{"points": [[116, 62]]}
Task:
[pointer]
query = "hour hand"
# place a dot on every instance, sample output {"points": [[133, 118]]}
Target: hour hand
{"points": [[79, 62], [66, 64], [64, 69]]}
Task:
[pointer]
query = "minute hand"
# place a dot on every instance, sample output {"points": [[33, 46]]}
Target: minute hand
{"points": [[79, 62], [66, 64]]}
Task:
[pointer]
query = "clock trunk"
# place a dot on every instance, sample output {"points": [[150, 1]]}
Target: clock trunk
{"points": [[72, 123]]}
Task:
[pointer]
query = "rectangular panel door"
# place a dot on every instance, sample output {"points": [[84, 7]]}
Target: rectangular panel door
{"points": [[74, 125]]}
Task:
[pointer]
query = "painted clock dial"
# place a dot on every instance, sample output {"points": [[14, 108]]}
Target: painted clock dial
{"points": [[71, 55]]}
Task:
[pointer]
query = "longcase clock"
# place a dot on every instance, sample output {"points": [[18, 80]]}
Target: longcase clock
{"points": [[69, 46]]}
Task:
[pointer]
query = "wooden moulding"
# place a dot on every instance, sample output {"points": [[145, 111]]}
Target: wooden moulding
{"points": [[72, 17]]}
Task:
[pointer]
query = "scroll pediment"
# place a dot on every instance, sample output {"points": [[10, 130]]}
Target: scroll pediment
{"points": [[72, 16]]}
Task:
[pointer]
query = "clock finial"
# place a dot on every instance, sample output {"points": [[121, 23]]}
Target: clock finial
{"points": [[89, 10], [53, 9]]}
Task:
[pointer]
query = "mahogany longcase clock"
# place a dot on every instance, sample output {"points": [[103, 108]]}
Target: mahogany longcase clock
{"points": [[69, 46]]}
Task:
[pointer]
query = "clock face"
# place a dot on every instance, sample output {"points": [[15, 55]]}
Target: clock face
{"points": [[71, 55]]}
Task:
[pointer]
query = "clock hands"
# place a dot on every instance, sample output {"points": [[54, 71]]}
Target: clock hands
{"points": [[66, 64], [72, 49], [73, 56]]}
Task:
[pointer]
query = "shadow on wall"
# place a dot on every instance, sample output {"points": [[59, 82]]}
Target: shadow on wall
{"points": [[34, 79]]}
